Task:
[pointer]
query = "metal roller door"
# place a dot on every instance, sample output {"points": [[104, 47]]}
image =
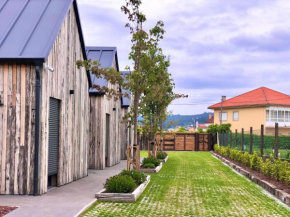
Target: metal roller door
{"points": [[53, 141]]}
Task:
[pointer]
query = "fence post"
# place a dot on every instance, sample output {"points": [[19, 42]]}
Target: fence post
{"points": [[242, 140], [276, 140], [251, 140], [262, 140], [231, 139], [222, 135], [236, 138], [226, 139]]}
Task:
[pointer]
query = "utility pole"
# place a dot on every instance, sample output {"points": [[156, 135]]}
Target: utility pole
{"points": [[221, 113]]}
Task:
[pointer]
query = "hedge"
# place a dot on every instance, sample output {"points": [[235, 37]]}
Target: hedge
{"points": [[269, 141]]}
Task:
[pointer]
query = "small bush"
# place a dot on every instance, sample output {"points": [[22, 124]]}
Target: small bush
{"points": [[161, 155], [149, 165], [120, 184], [151, 160], [138, 176]]}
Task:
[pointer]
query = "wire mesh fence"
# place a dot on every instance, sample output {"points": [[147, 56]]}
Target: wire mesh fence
{"points": [[259, 141]]}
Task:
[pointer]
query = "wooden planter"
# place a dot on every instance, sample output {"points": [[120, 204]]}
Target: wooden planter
{"points": [[153, 170], [164, 160], [123, 197]]}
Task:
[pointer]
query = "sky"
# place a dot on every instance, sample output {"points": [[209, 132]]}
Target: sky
{"points": [[216, 47]]}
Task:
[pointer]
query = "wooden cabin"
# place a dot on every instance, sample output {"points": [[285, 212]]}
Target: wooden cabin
{"points": [[44, 100], [108, 135]]}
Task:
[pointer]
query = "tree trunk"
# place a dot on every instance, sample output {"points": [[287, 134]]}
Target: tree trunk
{"points": [[136, 105]]}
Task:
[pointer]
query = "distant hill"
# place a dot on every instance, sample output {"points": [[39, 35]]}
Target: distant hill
{"points": [[185, 120]]}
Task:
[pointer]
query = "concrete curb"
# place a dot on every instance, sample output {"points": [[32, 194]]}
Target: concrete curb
{"points": [[272, 189], [164, 160]]}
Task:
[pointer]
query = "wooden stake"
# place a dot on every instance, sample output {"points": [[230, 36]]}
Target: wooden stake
{"points": [[262, 140], [236, 138], [251, 140], [242, 140], [276, 140]]}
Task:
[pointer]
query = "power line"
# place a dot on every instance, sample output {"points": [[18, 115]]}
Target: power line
{"points": [[201, 103]]}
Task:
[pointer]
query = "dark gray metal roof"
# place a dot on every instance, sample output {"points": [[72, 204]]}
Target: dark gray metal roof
{"points": [[125, 100], [105, 56], [30, 27]]}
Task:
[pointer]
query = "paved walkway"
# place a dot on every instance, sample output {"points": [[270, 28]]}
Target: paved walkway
{"points": [[67, 200]]}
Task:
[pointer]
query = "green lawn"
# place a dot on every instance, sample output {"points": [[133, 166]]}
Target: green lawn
{"points": [[143, 153], [195, 184]]}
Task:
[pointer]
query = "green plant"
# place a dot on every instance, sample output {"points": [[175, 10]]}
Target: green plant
{"points": [[161, 155], [200, 130], [254, 163], [274, 168], [120, 184], [151, 160], [149, 165], [138, 176], [215, 128], [181, 130]]}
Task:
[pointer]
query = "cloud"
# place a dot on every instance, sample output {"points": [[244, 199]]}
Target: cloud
{"points": [[216, 47], [276, 41]]}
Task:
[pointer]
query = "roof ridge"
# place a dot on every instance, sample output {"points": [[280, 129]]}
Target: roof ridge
{"points": [[265, 95]]}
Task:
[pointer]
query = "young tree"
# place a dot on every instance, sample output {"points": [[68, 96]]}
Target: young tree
{"points": [[149, 64]]}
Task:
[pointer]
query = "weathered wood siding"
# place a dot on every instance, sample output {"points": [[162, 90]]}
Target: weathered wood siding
{"points": [[99, 107], [96, 147], [17, 120], [74, 112]]}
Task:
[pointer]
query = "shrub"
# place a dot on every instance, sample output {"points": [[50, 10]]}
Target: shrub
{"points": [[151, 160], [274, 168], [254, 163], [120, 184], [161, 155], [138, 176], [149, 165]]}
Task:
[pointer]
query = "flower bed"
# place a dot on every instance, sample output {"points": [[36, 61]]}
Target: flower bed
{"points": [[162, 156], [274, 188], [4, 210], [125, 187], [151, 165], [275, 169], [103, 195]]}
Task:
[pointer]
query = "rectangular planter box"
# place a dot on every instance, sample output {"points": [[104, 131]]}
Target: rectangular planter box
{"points": [[123, 197], [164, 160], [156, 170]]}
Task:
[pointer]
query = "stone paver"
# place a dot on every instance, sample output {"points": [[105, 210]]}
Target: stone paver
{"points": [[67, 200]]}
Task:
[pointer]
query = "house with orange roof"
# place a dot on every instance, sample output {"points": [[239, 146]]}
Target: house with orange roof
{"points": [[254, 108]]}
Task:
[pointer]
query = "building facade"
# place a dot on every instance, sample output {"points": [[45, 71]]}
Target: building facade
{"points": [[261, 106], [44, 108]]}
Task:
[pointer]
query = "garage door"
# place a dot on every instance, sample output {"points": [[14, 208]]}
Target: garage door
{"points": [[53, 141]]}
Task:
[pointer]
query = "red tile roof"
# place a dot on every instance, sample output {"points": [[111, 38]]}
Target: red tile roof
{"points": [[210, 121], [262, 96]]}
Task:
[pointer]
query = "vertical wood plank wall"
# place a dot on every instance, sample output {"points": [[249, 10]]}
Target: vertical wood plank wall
{"points": [[124, 136], [99, 107], [74, 112], [17, 121]]}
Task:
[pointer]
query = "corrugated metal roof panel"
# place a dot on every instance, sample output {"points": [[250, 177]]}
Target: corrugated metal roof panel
{"points": [[125, 100], [105, 56], [30, 27]]}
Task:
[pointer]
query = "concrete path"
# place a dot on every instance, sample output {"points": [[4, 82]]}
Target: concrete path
{"points": [[64, 201]]}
